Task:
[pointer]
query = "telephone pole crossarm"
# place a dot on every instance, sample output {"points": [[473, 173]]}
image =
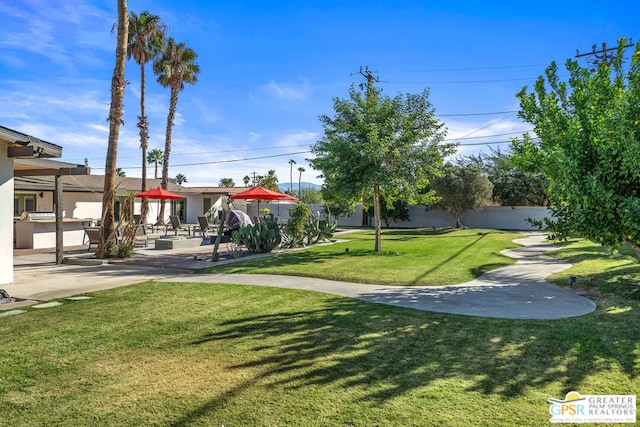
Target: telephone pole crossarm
{"points": [[603, 54]]}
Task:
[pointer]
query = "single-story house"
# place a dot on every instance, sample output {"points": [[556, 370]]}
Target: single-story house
{"points": [[82, 198]]}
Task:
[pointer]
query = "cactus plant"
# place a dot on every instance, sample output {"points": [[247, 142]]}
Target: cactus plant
{"points": [[262, 237], [320, 230]]}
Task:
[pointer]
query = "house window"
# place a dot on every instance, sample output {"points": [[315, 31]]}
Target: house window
{"points": [[23, 203], [179, 209], [206, 207]]}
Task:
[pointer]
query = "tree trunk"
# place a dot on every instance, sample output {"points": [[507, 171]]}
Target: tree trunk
{"points": [[634, 246], [118, 84], [459, 219], [377, 216], [167, 148], [143, 124]]}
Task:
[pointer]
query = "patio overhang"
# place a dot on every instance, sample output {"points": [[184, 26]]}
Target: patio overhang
{"points": [[45, 167], [23, 146]]}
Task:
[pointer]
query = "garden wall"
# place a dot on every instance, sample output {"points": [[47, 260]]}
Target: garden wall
{"points": [[496, 217]]}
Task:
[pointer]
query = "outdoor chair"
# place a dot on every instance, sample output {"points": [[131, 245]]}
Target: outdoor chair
{"points": [[140, 238], [204, 225], [176, 226], [92, 236]]}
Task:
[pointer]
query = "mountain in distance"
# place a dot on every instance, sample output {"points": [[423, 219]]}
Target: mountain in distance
{"points": [[284, 186]]}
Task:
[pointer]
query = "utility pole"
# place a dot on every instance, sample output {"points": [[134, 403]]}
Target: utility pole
{"points": [[603, 55], [369, 76]]}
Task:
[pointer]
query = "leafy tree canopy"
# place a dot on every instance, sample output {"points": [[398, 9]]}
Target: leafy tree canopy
{"points": [[514, 184], [588, 146], [391, 211], [462, 187], [269, 181], [376, 144], [310, 196]]}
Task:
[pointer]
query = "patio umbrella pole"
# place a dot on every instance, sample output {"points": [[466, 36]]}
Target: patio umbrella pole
{"points": [[215, 256]]}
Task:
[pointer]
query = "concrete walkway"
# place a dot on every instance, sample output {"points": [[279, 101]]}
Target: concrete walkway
{"points": [[518, 291]]}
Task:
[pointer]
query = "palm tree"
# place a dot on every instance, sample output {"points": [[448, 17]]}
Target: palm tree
{"points": [[118, 85], [155, 156], [246, 180], [291, 163], [180, 178], [300, 169], [175, 66], [146, 35], [226, 182]]}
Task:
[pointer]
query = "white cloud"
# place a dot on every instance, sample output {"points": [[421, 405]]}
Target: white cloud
{"points": [[301, 137], [482, 136], [287, 91], [254, 136]]}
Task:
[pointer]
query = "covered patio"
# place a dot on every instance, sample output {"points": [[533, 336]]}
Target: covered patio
{"points": [[25, 155]]}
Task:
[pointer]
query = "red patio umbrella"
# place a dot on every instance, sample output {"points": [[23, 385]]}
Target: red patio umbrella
{"points": [[158, 193], [260, 193]]}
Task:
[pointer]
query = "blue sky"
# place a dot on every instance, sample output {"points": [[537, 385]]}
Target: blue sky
{"points": [[269, 69]]}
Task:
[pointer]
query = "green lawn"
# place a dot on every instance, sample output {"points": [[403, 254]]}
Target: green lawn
{"points": [[176, 354], [409, 257]]}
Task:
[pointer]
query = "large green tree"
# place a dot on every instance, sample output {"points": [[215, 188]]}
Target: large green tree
{"points": [[514, 183], [268, 181], [588, 130], [118, 85], [462, 187], [146, 36], [175, 66], [375, 144]]}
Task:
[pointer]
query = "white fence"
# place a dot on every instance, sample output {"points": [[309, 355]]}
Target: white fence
{"points": [[496, 217]]}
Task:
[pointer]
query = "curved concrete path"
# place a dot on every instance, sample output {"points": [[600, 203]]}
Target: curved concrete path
{"points": [[518, 291]]}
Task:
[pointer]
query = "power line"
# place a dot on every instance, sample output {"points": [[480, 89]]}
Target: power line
{"points": [[466, 81], [222, 161], [477, 114], [484, 143], [487, 136], [468, 68], [309, 151]]}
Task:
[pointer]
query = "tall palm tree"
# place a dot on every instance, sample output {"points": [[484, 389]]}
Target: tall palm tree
{"points": [[291, 163], [156, 157], [146, 36], [300, 169], [175, 66], [118, 85], [246, 180]]}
